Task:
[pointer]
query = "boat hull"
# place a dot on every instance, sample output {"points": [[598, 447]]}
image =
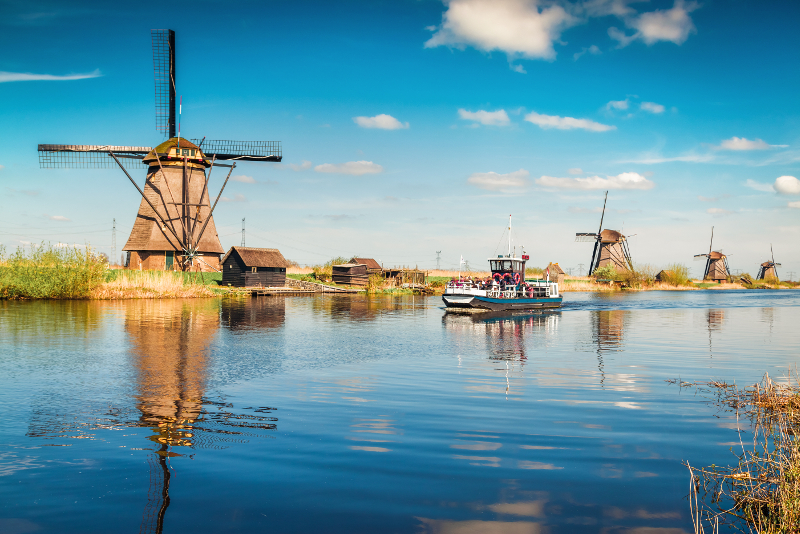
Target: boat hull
{"points": [[498, 304]]}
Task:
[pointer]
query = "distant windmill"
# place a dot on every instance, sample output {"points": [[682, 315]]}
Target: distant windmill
{"points": [[610, 247], [175, 210], [716, 263], [768, 269]]}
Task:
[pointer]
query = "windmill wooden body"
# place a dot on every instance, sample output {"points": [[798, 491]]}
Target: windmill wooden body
{"points": [[768, 268], [174, 227], [610, 247], [716, 263]]}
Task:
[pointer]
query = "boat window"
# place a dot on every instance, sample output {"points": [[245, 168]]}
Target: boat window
{"points": [[494, 265], [506, 265]]}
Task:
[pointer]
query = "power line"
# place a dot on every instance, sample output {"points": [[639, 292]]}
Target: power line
{"points": [[242, 231], [438, 260], [113, 241]]}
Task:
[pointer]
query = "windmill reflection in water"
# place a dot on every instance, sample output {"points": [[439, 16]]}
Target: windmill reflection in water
{"points": [[171, 358]]}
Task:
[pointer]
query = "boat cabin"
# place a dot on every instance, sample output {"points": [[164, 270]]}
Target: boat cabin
{"points": [[504, 265]]}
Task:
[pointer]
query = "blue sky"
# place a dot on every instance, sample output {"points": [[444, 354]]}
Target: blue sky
{"points": [[411, 127]]}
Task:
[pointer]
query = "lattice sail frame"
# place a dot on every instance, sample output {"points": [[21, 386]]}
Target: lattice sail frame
{"points": [[240, 150], [90, 156], [164, 73]]}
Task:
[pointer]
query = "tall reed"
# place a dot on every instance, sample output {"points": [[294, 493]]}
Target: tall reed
{"points": [[50, 272], [761, 491]]}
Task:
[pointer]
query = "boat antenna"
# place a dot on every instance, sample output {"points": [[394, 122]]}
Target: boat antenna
{"points": [[509, 235]]}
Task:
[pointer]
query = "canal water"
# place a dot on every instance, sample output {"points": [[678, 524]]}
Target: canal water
{"points": [[348, 414]]}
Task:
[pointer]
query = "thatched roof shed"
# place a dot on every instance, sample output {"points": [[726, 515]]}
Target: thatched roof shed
{"points": [[254, 267], [556, 273], [353, 274], [372, 265]]}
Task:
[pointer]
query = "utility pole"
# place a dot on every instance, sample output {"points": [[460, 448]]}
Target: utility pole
{"points": [[113, 241], [580, 269], [791, 275], [438, 260], [242, 231], [466, 266]]}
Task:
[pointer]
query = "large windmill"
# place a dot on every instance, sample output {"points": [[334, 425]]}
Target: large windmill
{"points": [[716, 263], [610, 247], [174, 227], [768, 268]]}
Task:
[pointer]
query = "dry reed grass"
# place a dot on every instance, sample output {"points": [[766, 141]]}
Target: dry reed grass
{"points": [[761, 493], [150, 284]]}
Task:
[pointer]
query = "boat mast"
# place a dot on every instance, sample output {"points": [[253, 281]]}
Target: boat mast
{"points": [[509, 236]]}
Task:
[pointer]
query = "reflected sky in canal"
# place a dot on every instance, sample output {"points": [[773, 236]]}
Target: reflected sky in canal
{"points": [[371, 414]]}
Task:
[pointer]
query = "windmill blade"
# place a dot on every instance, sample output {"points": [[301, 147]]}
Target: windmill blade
{"points": [[585, 237], [241, 150], [90, 156], [777, 265], [164, 73], [698, 257]]}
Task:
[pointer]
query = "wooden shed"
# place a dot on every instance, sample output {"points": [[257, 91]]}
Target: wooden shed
{"points": [[372, 265], [663, 275], [353, 274], [254, 267], [557, 274]]}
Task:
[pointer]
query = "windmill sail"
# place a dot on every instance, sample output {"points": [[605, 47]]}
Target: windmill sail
{"points": [[90, 156], [241, 150], [164, 73]]}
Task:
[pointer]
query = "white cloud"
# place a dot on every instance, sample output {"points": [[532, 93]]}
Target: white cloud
{"points": [[244, 179], [353, 168], [741, 143], [794, 204], [381, 122], [626, 180], [236, 198], [566, 123], [487, 118], [594, 50], [673, 25], [652, 107], [516, 27], [617, 104], [500, 182], [57, 218], [758, 186], [787, 185], [28, 77], [575, 170], [302, 167]]}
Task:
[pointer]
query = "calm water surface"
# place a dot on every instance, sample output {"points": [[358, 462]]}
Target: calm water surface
{"points": [[371, 414]]}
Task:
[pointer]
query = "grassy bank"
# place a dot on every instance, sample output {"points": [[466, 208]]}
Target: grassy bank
{"points": [[132, 284], [760, 490], [50, 272]]}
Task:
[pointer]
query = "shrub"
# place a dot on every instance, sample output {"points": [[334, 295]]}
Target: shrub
{"points": [[50, 272], [605, 273], [325, 272], [534, 272], [676, 274]]}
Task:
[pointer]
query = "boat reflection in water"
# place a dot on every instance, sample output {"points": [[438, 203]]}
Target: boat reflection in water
{"points": [[349, 308], [505, 333]]}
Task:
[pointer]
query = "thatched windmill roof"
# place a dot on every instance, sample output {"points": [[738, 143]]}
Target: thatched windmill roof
{"points": [[611, 236]]}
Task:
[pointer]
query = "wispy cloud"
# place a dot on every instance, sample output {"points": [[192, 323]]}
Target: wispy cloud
{"points": [[575, 170], [741, 143], [493, 181], [593, 50], [57, 218], [353, 168], [236, 198], [759, 186], [712, 199], [29, 77], [618, 104], [566, 123], [794, 204], [672, 25], [487, 118], [244, 179], [652, 107], [718, 211], [688, 158], [626, 180], [380, 122]]}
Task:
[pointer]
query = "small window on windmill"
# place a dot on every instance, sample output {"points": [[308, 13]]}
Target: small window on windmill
{"points": [[255, 269]]}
